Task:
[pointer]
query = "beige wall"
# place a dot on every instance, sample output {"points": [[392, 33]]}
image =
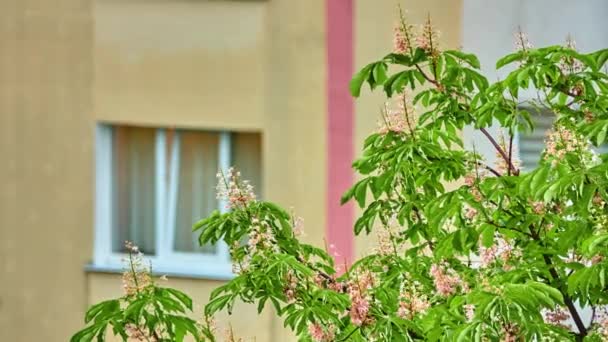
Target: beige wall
{"points": [[373, 40], [46, 173], [186, 63]]}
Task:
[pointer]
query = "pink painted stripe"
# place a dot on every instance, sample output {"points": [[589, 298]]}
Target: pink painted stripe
{"points": [[340, 126]]}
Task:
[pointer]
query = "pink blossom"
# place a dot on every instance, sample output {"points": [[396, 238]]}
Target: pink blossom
{"points": [[139, 333], [385, 243], [236, 192], [521, 41], [598, 200], [470, 179], [558, 316], [400, 120], [488, 255], [470, 213], [358, 310], [500, 249], [509, 332], [261, 237], [469, 311], [569, 65], [400, 40], [316, 331], [318, 334], [385, 235], [410, 304], [538, 207], [136, 278], [428, 39], [601, 321], [291, 286], [360, 300], [298, 226], [336, 286], [446, 280], [561, 141]]}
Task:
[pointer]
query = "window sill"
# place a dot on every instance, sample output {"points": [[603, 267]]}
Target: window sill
{"points": [[220, 275]]}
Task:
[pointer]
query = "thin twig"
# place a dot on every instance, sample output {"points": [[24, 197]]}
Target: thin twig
{"points": [[499, 150], [496, 173], [567, 300], [510, 152]]}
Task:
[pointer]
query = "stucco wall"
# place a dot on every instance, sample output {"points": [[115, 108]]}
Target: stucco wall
{"points": [[184, 63], [46, 131]]}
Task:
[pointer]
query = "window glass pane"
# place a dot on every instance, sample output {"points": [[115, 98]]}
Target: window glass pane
{"points": [[133, 188], [532, 144], [196, 198], [247, 158]]}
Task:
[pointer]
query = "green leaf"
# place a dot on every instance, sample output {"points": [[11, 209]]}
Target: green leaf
{"points": [[469, 58], [85, 335], [261, 304], [508, 59], [379, 73], [357, 81], [217, 304], [419, 56], [395, 83], [487, 235], [600, 58], [107, 306], [182, 297], [361, 192]]}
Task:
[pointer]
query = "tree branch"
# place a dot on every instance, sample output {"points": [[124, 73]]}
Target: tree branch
{"points": [[496, 173], [567, 300], [499, 150], [426, 77], [510, 152]]}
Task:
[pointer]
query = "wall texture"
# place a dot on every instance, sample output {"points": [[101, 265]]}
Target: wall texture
{"points": [[46, 131]]}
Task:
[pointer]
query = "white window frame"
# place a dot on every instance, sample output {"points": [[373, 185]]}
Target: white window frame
{"points": [[166, 260]]}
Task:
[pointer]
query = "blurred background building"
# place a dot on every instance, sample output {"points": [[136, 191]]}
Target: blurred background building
{"points": [[116, 114]]}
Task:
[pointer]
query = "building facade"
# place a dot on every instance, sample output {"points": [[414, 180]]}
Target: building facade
{"points": [[115, 115]]}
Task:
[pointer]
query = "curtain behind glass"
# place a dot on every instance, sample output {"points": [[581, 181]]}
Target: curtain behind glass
{"points": [[196, 196], [133, 188], [247, 158]]}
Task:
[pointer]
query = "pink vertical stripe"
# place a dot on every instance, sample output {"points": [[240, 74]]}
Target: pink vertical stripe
{"points": [[340, 126]]}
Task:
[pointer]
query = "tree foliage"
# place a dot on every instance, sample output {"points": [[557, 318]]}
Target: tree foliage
{"points": [[505, 255]]}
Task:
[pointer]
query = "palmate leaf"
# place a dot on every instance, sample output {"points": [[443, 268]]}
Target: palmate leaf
{"points": [[508, 59], [469, 58], [102, 310], [374, 74]]}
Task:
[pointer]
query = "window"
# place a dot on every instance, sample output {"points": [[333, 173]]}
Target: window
{"points": [[152, 184], [532, 144]]}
